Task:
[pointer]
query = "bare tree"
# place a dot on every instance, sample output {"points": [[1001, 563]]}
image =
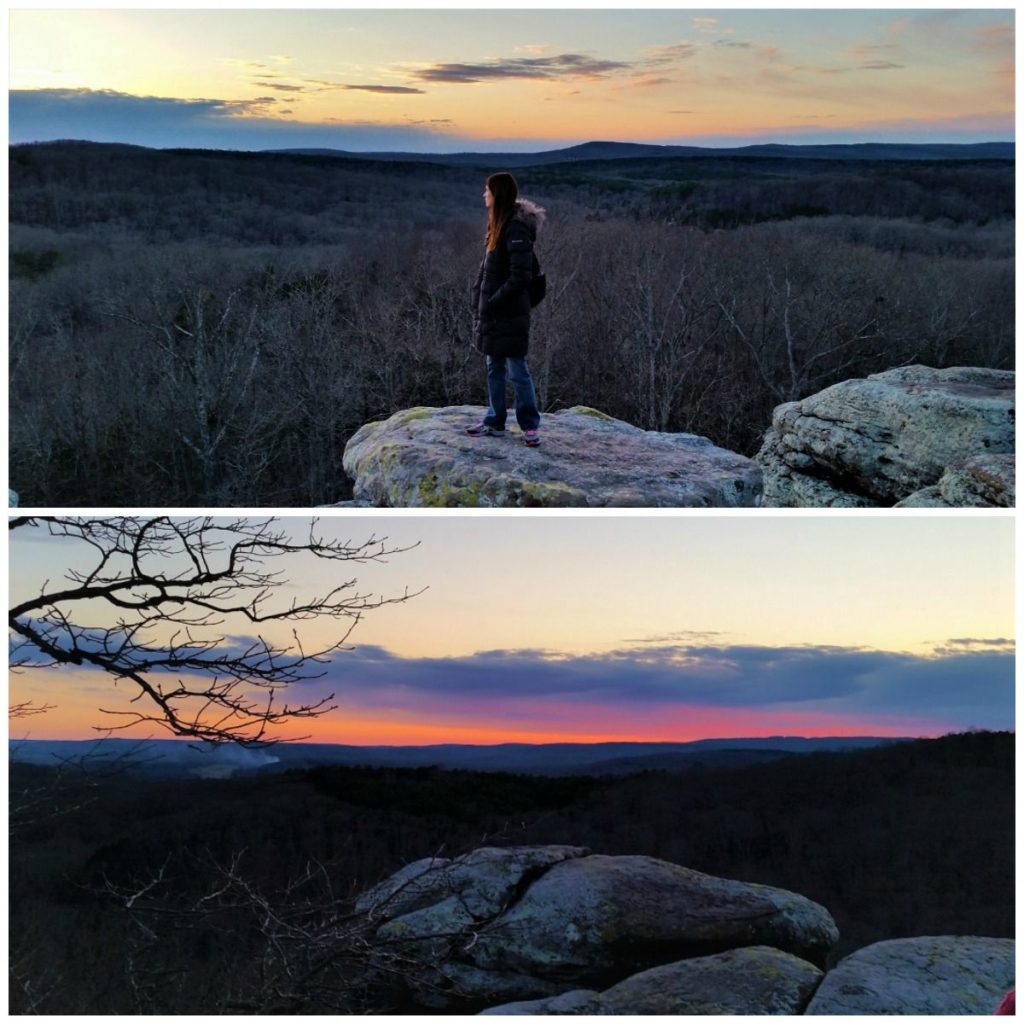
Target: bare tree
{"points": [[171, 586], [311, 944], [210, 349], [812, 319]]}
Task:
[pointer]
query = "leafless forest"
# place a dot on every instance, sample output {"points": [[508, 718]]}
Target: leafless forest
{"points": [[200, 896], [209, 328]]}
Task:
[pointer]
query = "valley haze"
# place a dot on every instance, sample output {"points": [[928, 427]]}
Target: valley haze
{"points": [[182, 758]]}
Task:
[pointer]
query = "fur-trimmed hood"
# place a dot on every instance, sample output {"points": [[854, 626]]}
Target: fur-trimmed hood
{"points": [[532, 215]]}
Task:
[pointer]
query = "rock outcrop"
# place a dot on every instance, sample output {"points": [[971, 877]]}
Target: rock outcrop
{"points": [[512, 924], [913, 436], [557, 930], [753, 980], [423, 458], [944, 974]]}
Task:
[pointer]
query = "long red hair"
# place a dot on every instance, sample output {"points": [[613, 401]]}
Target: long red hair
{"points": [[505, 191]]}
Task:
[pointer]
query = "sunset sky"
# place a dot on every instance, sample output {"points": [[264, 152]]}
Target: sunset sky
{"points": [[450, 80], [554, 628]]}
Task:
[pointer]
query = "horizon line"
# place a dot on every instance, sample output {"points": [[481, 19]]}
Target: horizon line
{"points": [[521, 743], [526, 152]]}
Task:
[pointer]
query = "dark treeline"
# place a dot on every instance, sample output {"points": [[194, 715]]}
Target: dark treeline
{"points": [[193, 327], [912, 839]]}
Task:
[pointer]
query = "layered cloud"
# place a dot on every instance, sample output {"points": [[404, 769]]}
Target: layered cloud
{"points": [[260, 123], [668, 691], [964, 683]]}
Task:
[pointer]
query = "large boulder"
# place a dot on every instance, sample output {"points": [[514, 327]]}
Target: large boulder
{"points": [[948, 974], [754, 980], [423, 458], [523, 923], [879, 440]]}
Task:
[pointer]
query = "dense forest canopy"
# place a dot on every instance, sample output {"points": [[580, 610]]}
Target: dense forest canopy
{"points": [[209, 328], [912, 838]]}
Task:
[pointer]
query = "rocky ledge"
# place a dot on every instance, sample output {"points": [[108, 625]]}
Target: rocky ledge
{"points": [[913, 437], [910, 437], [558, 930], [422, 458]]}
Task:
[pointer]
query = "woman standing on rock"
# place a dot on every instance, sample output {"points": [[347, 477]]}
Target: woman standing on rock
{"points": [[501, 306]]}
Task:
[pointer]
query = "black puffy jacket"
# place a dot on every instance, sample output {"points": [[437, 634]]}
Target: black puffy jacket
{"points": [[501, 306]]}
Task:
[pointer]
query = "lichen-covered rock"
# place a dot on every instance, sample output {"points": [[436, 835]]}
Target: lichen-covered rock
{"points": [[423, 458], [879, 440], [754, 980], [945, 974], [985, 481], [524, 923]]}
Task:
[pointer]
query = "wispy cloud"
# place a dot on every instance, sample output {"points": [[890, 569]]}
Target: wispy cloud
{"points": [[974, 645], [657, 56], [650, 81], [879, 65], [432, 122], [683, 635], [396, 90], [282, 86], [565, 65]]}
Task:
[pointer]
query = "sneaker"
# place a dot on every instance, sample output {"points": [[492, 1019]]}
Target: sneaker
{"points": [[532, 438], [484, 430]]}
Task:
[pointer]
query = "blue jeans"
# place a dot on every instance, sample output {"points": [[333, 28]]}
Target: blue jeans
{"points": [[516, 370]]}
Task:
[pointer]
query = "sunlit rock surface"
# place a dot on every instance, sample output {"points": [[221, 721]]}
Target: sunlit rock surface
{"points": [[880, 440], [944, 974], [424, 458]]}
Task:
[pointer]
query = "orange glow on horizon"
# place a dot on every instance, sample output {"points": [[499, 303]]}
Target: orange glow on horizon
{"points": [[75, 717]]}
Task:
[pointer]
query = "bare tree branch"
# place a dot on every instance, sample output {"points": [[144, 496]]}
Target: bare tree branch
{"points": [[173, 587]]}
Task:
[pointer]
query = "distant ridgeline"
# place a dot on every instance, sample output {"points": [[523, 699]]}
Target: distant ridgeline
{"points": [[175, 758], [633, 151]]}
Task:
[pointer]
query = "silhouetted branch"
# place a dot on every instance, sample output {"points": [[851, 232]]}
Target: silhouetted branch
{"points": [[173, 585]]}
